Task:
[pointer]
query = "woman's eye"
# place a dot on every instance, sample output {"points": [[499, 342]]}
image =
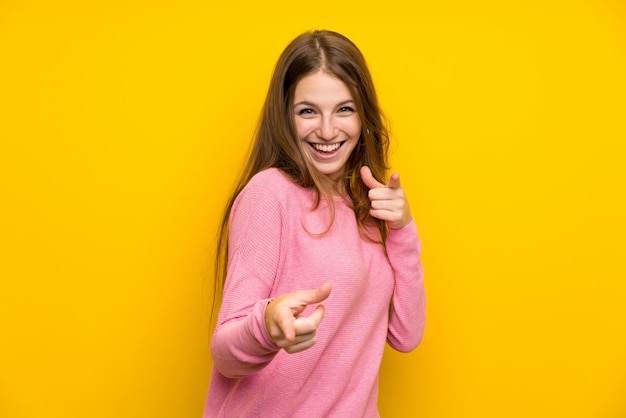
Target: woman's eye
{"points": [[305, 112], [346, 109]]}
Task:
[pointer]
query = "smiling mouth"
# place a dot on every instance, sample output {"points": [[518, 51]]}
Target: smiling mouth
{"points": [[327, 148]]}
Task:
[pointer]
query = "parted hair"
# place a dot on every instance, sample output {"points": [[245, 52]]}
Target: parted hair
{"points": [[276, 143]]}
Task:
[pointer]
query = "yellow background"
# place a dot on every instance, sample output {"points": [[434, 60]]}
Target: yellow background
{"points": [[124, 123]]}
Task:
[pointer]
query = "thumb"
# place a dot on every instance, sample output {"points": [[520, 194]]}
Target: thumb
{"points": [[315, 295], [368, 178], [394, 181]]}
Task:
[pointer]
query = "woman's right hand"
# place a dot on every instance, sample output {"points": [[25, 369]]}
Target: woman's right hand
{"points": [[292, 332]]}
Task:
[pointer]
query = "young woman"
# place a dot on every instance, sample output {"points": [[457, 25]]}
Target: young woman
{"points": [[319, 261]]}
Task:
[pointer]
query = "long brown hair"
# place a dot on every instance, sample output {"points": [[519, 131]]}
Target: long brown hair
{"points": [[277, 145]]}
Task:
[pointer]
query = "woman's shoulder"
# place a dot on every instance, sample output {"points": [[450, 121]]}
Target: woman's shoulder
{"points": [[273, 179], [270, 188], [271, 184]]}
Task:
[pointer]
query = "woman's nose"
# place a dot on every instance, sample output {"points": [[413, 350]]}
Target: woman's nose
{"points": [[327, 129]]}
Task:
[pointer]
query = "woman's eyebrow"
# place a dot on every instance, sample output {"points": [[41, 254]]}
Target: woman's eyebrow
{"points": [[307, 103], [304, 102]]}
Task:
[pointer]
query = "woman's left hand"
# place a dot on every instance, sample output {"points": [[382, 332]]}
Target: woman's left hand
{"points": [[388, 201]]}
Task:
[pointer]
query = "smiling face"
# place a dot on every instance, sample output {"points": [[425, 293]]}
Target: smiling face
{"points": [[327, 123]]}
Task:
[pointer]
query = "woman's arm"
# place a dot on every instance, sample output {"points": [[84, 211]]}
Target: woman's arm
{"points": [[408, 306], [241, 344]]}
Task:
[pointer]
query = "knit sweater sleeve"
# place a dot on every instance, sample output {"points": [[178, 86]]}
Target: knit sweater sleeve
{"points": [[408, 310], [241, 344]]}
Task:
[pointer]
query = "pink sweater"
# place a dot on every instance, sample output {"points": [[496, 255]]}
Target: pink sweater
{"points": [[271, 253]]}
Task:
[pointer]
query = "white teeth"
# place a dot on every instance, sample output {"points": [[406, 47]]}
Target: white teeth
{"points": [[327, 148]]}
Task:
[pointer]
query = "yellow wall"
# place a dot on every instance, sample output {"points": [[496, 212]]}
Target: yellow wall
{"points": [[124, 123]]}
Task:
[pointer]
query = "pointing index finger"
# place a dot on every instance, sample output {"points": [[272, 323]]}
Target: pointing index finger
{"points": [[394, 181]]}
